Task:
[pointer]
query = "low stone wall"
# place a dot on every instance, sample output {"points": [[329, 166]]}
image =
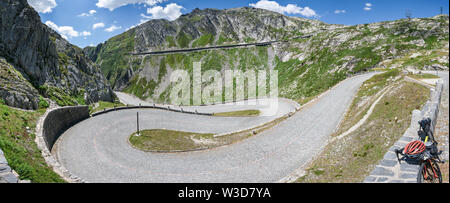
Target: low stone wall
{"points": [[388, 169], [50, 127], [61, 119]]}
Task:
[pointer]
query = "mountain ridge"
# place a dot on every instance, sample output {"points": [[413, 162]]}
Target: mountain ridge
{"points": [[306, 66]]}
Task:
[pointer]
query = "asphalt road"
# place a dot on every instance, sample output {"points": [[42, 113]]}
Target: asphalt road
{"points": [[97, 150]]}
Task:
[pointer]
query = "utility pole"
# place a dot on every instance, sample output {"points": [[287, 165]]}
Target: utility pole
{"points": [[137, 121], [408, 14], [442, 10]]}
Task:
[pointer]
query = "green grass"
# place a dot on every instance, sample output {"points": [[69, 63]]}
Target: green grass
{"points": [[43, 104], [61, 97], [141, 87], [63, 62], [364, 98], [376, 83], [167, 140], [223, 39], [19, 147], [114, 55], [171, 42], [423, 76], [104, 105], [423, 60], [204, 40], [184, 39], [244, 113]]}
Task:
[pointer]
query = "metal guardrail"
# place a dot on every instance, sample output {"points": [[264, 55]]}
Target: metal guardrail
{"points": [[149, 107]]}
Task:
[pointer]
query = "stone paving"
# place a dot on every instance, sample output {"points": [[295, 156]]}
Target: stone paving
{"points": [[6, 174], [389, 170]]}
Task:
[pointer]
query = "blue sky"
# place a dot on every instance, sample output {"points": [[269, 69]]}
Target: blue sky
{"points": [[75, 19]]}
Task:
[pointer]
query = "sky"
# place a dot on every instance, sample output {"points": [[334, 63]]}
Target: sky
{"points": [[90, 22]]}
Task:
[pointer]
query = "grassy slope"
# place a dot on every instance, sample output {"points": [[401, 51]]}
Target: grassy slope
{"points": [[104, 105], [367, 94], [61, 97], [368, 48], [114, 56], [238, 59], [423, 76], [19, 147]]}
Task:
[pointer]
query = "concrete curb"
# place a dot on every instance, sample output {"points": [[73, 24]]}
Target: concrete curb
{"points": [[388, 169]]}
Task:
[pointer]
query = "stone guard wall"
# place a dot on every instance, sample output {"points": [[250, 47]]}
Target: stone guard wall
{"points": [[59, 120]]}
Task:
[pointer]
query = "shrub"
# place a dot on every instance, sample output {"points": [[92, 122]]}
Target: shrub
{"points": [[43, 104]]}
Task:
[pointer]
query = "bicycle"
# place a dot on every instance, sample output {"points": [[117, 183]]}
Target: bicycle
{"points": [[425, 152]]}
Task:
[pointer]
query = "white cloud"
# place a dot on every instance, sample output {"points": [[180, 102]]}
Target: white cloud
{"points": [[86, 33], [368, 7], [90, 13], [339, 11], [43, 6], [66, 32], [98, 25], [288, 9], [113, 4], [170, 12], [308, 12], [113, 28]]}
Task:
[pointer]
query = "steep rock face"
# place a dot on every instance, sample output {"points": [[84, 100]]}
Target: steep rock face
{"points": [[16, 90], [215, 26], [47, 60]]}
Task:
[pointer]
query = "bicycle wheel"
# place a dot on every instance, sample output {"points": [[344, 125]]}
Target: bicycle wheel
{"points": [[429, 172]]}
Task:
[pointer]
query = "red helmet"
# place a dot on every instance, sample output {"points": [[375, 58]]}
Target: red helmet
{"points": [[414, 148]]}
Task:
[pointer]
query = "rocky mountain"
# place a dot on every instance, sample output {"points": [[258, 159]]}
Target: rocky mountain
{"points": [[40, 62], [306, 66]]}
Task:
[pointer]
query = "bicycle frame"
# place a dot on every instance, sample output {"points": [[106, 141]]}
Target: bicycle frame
{"points": [[426, 170], [425, 126], [429, 157]]}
